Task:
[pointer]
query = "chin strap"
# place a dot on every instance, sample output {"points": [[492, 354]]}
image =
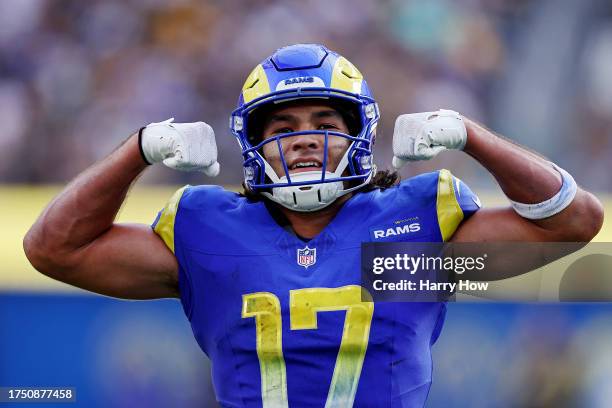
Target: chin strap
{"points": [[308, 197], [313, 197]]}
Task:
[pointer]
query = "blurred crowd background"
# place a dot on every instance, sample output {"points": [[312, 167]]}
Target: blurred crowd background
{"points": [[76, 78]]}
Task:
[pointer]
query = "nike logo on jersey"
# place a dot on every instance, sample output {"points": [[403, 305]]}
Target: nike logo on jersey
{"points": [[476, 201]]}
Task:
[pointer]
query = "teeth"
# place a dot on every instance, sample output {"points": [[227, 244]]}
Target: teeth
{"points": [[305, 164]]}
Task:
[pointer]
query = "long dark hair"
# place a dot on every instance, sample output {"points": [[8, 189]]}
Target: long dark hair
{"points": [[382, 180]]}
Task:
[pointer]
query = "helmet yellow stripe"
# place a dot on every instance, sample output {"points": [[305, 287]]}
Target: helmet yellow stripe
{"points": [[256, 85], [346, 76]]}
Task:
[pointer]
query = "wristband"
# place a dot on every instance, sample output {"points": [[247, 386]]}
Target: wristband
{"points": [[553, 205], [140, 146]]}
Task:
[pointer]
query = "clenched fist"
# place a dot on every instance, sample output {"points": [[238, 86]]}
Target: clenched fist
{"points": [[181, 146], [421, 136]]}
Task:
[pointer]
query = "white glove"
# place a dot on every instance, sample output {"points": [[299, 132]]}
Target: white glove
{"points": [[181, 146], [421, 136]]}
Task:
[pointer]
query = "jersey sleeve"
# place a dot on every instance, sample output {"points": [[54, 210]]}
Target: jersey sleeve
{"points": [[468, 200], [164, 222], [164, 226], [455, 202]]}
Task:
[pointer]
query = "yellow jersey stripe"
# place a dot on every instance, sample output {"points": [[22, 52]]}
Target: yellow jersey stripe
{"points": [[449, 211], [165, 226]]}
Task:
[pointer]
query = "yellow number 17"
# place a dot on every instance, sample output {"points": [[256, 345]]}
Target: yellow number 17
{"points": [[304, 304]]}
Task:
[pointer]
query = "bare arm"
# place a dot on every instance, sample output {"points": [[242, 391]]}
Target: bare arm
{"points": [[76, 241], [524, 177]]}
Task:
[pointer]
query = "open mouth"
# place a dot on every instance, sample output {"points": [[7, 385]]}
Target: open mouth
{"points": [[303, 166]]}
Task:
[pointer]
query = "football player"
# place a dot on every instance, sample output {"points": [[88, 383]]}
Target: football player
{"points": [[270, 279]]}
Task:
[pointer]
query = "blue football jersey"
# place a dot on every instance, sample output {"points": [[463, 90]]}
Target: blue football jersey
{"points": [[282, 320]]}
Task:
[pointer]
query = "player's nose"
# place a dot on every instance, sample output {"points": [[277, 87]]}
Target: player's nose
{"points": [[307, 142]]}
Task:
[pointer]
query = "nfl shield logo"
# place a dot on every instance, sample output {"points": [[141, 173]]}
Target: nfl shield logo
{"points": [[306, 256]]}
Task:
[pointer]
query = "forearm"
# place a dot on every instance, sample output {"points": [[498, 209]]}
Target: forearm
{"points": [[526, 177], [522, 175], [546, 203], [87, 207]]}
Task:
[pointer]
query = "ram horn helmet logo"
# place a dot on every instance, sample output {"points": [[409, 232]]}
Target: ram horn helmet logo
{"points": [[306, 256]]}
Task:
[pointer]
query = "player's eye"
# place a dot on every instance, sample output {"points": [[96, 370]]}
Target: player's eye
{"points": [[282, 130], [327, 126]]}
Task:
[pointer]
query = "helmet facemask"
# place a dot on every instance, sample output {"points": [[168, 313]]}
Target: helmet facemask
{"points": [[307, 190]]}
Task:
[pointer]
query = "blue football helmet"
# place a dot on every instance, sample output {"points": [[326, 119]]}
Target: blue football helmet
{"points": [[306, 71]]}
